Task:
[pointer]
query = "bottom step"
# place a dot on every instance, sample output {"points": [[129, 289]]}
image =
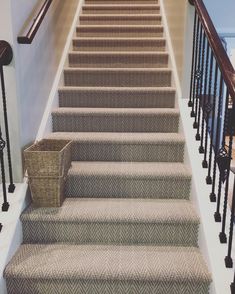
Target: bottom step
{"points": [[76, 269]]}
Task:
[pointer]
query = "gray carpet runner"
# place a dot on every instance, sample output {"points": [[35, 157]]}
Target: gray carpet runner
{"points": [[127, 225]]}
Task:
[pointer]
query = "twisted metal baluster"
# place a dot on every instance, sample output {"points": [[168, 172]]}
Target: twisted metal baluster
{"points": [[212, 195], [5, 205], [198, 78], [208, 178], [222, 235], [11, 187], [217, 215], [208, 108], [228, 259], [201, 148], [198, 137], [190, 103], [195, 68], [232, 286]]}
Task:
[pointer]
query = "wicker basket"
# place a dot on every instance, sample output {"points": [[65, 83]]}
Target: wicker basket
{"points": [[47, 163], [48, 158], [47, 192]]}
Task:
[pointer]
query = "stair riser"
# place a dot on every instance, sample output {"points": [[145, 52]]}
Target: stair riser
{"points": [[119, 45], [120, 32], [120, 20], [112, 123], [117, 286], [111, 233], [118, 61], [120, 152], [123, 78], [114, 99], [121, 10], [134, 2], [122, 187]]}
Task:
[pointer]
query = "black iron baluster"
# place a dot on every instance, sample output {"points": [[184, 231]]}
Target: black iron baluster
{"points": [[217, 214], [201, 148], [5, 204], [195, 68], [217, 143], [198, 137], [198, 77], [208, 178], [228, 258], [11, 187], [226, 161], [190, 103], [208, 108], [232, 286]]}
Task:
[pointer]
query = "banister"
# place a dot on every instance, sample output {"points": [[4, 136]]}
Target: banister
{"points": [[27, 38], [212, 103], [220, 54]]}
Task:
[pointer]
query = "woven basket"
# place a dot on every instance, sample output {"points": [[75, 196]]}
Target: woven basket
{"points": [[47, 163], [48, 158], [47, 192]]}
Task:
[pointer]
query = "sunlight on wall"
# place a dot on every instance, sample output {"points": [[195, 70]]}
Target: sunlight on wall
{"points": [[176, 18]]}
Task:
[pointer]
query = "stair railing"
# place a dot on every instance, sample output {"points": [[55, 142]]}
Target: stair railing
{"points": [[212, 108], [29, 32], [6, 56]]}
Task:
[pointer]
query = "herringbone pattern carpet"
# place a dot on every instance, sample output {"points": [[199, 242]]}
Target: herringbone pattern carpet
{"points": [[127, 225]]}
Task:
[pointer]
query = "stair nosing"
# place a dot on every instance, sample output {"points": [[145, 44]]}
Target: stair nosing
{"points": [[153, 15], [49, 214], [121, 89], [117, 69], [131, 53]]}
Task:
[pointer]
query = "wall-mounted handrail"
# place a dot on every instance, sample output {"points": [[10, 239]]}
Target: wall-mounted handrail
{"points": [[212, 104], [28, 36]]}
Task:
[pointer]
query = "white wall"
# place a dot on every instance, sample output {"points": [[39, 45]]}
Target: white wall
{"points": [[37, 63], [30, 77], [175, 12]]}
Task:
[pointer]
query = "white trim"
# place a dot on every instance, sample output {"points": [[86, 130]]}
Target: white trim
{"points": [[45, 125]]}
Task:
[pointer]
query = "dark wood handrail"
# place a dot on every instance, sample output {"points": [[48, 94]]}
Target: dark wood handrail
{"points": [[220, 54], [28, 37]]}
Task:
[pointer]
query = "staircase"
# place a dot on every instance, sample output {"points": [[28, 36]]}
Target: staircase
{"points": [[127, 224]]}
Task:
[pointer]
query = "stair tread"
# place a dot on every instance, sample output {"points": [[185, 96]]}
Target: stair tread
{"points": [[120, 39], [108, 69], [129, 169], [99, 262], [116, 210], [115, 111], [120, 138]]}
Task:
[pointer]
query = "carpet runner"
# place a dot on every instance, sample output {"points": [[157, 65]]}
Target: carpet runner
{"points": [[127, 224]]}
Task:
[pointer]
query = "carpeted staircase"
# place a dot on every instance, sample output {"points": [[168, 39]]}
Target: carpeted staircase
{"points": [[127, 224]]}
